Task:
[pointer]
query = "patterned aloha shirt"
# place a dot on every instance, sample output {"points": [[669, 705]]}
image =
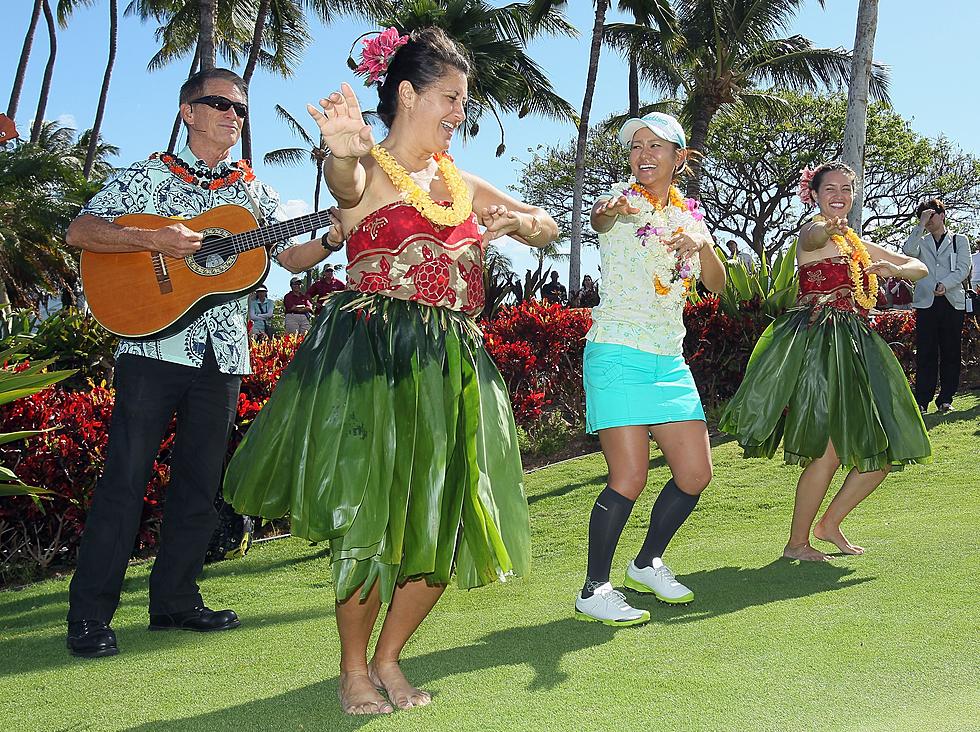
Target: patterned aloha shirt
{"points": [[148, 186]]}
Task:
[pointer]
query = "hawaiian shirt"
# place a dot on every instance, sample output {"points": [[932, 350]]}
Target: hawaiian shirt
{"points": [[148, 186]]}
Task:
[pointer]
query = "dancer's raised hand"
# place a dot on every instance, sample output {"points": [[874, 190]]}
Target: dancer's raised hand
{"points": [[341, 124], [835, 226], [614, 207]]}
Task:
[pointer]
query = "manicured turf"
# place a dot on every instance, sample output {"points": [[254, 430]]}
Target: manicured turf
{"points": [[887, 641]]}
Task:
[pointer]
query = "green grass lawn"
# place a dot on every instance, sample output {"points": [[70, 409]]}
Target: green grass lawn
{"points": [[887, 641]]}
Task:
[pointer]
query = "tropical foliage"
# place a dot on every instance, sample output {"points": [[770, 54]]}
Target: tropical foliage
{"points": [[19, 379], [42, 187]]}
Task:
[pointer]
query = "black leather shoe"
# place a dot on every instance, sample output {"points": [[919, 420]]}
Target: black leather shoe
{"points": [[200, 619], [91, 639]]}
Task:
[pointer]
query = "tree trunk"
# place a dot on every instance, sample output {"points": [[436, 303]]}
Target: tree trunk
{"points": [[697, 145], [634, 86], [253, 57], [93, 143], [856, 128], [175, 131], [42, 101], [205, 39], [575, 250], [316, 191], [25, 56]]}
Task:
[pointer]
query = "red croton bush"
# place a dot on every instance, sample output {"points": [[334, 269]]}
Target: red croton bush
{"points": [[538, 349]]}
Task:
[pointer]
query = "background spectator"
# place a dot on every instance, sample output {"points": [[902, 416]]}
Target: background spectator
{"points": [[260, 313], [554, 291], [297, 308], [322, 287]]}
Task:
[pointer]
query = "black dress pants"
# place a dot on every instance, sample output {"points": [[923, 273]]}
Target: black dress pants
{"points": [[938, 346], [148, 394]]}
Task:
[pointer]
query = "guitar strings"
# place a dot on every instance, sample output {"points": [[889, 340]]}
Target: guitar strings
{"points": [[252, 239]]}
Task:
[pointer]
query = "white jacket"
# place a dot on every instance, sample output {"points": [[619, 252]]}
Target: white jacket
{"points": [[949, 265]]}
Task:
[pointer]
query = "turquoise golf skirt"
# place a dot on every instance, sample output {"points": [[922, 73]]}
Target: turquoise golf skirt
{"points": [[625, 386]]}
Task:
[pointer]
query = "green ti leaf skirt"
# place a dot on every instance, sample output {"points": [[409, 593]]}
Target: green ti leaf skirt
{"points": [[820, 375], [391, 436]]}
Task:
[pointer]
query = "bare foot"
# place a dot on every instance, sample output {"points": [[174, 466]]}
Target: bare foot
{"points": [[836, 537], [359, 695], [389, 676], [805, 553]]}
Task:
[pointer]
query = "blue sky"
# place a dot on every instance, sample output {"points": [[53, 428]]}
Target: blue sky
{"points": [[932, 70]]}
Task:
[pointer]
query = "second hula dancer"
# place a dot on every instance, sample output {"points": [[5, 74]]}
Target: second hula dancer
{"points": [[654, 246]]}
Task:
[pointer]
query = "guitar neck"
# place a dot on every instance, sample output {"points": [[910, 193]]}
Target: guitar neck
{"points": [[277, 232]]}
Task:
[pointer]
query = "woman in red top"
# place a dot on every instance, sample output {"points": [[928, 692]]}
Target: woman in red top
{"points": [[390, 434], [825, 384]]}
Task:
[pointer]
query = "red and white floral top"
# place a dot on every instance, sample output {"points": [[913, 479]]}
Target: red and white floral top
{"points": [[827, 282], [396, 251]]}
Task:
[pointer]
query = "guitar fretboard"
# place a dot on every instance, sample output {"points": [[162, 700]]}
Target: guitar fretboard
{"points": [[265, 235]]}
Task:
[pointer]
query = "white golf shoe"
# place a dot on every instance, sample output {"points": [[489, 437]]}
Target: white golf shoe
{"points": [[659, 580], [609, 607]]}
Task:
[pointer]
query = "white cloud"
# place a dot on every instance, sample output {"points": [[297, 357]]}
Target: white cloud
{"points": [[67, 120], [295, 207]]}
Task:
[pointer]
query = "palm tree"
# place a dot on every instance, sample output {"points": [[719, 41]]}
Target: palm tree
{"points": [[644, 12], [539, 9], [179, 34], [41, 191], [729, 53], [504, 78], [281, 24], [65, 9], [25, 56], [316, 151], [206, 41], [42, 100], [856, 128]]}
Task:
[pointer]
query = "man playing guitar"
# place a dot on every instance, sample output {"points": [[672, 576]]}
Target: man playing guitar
{"points": [[195, 374]]}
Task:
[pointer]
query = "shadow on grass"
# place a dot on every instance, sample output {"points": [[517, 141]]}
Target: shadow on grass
{"points": [[957, 415], [23, 609], [730, 589], [315, 707], [597, 482], [41, 652]]}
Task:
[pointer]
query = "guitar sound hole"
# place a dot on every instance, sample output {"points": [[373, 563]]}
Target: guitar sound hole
{"points": [[214, 257]]}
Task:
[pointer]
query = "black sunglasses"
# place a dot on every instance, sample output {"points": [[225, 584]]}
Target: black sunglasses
{"points": [[222, 104]]}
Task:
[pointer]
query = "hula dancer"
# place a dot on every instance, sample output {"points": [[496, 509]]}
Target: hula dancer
{"points": [[825, 384], [654, 246], [390, 434]]}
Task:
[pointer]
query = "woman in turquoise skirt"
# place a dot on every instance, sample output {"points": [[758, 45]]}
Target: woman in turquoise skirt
{"points": [[825, 384], [654, 246], [390, 434]]}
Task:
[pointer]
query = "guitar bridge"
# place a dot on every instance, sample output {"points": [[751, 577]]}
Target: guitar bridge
{"points": [[163, 276]]}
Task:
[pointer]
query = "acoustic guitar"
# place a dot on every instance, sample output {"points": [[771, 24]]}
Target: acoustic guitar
{"points": [[147, 295]]}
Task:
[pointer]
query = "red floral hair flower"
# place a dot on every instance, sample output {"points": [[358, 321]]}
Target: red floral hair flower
{"points": [[377, 53], [805, 192]]}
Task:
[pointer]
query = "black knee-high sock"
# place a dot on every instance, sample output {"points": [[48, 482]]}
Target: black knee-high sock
{"points": [[670, 510], [609, 516]]}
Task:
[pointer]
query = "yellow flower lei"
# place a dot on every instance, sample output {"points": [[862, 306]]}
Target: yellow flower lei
{"points": [[676, 199], [454, 215], [858, 260]]}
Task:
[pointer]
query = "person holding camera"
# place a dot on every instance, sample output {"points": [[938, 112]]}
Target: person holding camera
{"points": [[940, 304]]}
